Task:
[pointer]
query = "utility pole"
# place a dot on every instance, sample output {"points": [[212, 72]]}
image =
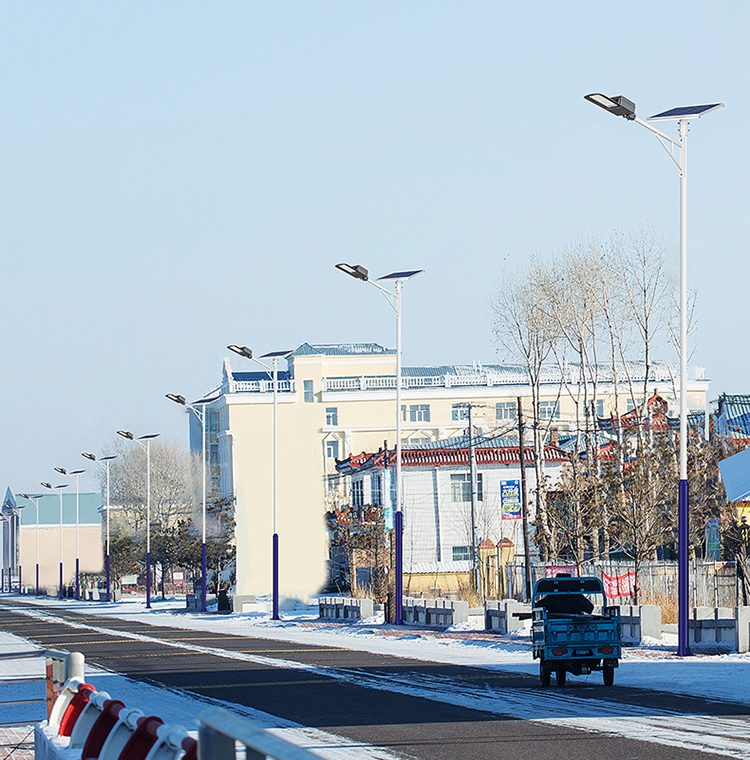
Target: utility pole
{"points": [[524, 503], [473, 479]]}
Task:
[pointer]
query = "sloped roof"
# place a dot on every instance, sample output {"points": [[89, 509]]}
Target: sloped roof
{"points": [[733, 417], [342, 349], [447, 457]]}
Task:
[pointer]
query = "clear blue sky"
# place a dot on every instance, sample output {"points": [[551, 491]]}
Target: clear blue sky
{"points": [[177, 176]]}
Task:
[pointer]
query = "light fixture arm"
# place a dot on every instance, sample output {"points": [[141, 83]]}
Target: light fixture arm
{"points": [[661, 137]]}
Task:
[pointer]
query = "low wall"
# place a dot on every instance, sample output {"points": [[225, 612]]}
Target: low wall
{"points": [[499, 615], [721, 627], [344, 608], [640, 621], [439, 613]]}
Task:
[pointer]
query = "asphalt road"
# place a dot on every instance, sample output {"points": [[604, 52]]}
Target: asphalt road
{"points": [[362, 696]]}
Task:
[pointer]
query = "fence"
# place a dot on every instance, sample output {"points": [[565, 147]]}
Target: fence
{"points": [[711, 584]]}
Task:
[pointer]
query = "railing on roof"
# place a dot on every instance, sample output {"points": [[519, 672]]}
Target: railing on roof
{"points": [[498, 375], [257, 386]]}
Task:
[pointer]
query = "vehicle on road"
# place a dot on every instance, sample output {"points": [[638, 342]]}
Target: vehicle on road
{"points": [[573, 629]]}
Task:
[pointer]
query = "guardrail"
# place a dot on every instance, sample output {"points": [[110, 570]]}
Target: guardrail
{"points": [[344, 608], [439, 613], [640, 621], [88, 723], [725, 627]]}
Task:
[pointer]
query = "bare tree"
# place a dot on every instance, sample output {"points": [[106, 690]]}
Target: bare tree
{"points": [[524, 328]]}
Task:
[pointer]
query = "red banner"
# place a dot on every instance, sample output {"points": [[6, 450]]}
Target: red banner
{"points": [[552, 571], [619, 585]]}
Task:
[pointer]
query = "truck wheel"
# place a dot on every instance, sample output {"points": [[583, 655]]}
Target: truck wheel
{"points": [[544, 674], [560, 676], [609, 675]]}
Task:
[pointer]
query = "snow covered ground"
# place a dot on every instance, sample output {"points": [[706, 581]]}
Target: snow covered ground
{"points": [[653, 666]]}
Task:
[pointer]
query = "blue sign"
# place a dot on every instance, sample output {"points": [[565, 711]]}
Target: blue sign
{"points": [[510, 499]]}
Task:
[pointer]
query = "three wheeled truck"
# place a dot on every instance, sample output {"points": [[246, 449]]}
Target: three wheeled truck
{"points": [[573, 629]]}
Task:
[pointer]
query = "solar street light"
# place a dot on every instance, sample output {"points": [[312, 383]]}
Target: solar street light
{"points": [[394, 299], [201, 415], [59, 490], [106, 462], [622, 107], [274, 372], [74, 475]]}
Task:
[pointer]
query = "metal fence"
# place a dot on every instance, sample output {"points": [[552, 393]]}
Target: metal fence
{"points": [[712, 584]]}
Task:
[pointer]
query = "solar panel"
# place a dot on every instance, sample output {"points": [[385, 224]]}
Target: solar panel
{"points": [[275, 353], [685, 111], [401, 275]]}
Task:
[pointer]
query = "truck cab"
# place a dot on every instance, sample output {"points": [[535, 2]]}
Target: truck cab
{"points": [[573, 629]]}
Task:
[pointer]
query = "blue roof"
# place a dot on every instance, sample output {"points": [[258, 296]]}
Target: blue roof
{"points": [[248, 377], [343, 349]]}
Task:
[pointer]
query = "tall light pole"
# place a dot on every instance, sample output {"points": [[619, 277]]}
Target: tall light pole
{"points": [[147, 448], [74, 475], [35, 499], [620, 106], [58, 490], [200, 413], [104, 462], [245, 352], [360, 273]]}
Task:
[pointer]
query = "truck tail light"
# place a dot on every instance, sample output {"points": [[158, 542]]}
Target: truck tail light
{"points": [[605, 650], [559, 652]]}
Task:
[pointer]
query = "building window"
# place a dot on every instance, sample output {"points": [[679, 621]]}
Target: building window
{"points": [[416, 413], [461, 487], [332, 449], [332, 416], [549, 410], [506, 410], [630, 406], [600, 407], [461, 553], [358, 493], [308, 389], [459, 412], [376, 496]]}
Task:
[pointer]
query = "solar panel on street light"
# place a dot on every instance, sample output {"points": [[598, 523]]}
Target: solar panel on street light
{"points": [[683, 112]]}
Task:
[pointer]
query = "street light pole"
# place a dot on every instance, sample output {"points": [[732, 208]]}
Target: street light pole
{"points": [[201, 415], [360, 273], [74, 475], [620, 106], [58, 490], [147, 447], [106, 461], [35, 499], [245, 352]]}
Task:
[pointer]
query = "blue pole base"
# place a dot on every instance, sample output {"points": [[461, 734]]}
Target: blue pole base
{"points": [[108, 588], [37, 579], [683, 572], [275, 574], [399, 529], [148, 580], [78, 587], [61, 577], [203, 577]]}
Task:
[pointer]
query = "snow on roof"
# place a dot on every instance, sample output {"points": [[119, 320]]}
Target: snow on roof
{"points": [[342, 349]]}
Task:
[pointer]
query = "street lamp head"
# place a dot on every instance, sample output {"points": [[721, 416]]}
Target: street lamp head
{"points": [[354, 270], [47, 485], [176, 398], [61, 470], [89, 456], [618, 105], [242, 351], [125, 434], [24, 496]]}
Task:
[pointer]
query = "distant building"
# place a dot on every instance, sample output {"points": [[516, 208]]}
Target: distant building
{"points": [[89, 537], [437, 496], [339, 400]]}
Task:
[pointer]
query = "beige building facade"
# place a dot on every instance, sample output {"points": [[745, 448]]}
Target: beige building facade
{"points": [[337, 400]]}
